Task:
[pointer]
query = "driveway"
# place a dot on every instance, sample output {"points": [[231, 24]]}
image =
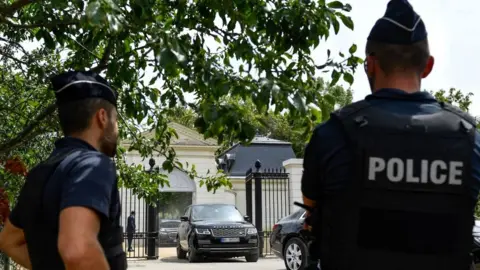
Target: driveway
{"points": [[168, 261]]}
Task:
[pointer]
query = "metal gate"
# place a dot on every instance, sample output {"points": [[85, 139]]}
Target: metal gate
{"points": [[144, 239], [268, 200]]}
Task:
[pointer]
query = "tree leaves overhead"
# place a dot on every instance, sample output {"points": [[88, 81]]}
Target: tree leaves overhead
{"points": [[287, 126], [164, 54]]}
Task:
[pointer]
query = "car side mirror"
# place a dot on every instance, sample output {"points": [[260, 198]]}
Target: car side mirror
{"points": [[184, 218], [247, 218]]}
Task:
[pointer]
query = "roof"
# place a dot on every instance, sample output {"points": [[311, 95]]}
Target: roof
{"points": [[266, 140], [270, 152], [186, 136]]}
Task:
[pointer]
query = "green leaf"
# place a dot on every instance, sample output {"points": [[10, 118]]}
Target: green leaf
{"points": [[348, 78], [347, 21], [335, 4], [299, 103], [352, 49], [95, 14], [336, 25], [167, 58], [335, 77]]}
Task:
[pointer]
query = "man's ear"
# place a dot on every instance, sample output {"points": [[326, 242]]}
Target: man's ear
{"points": [[102, 118], [428, 67], [370, 66]]}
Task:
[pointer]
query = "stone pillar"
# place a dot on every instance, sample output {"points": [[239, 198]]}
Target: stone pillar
{"points": [[294, 168]]}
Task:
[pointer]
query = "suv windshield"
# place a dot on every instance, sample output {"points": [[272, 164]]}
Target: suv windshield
{"points": [[216, 212]]}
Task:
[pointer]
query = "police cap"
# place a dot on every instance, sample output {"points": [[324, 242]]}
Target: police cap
{"points": [[400, 25], [77, 85]]}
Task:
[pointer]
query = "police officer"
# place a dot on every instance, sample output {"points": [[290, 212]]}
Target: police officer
{"points": [[394, 178], [68, 210], [131, 228]]}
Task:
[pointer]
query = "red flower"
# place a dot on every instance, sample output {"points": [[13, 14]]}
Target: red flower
{"points": [[4, 206], [16, 166]]}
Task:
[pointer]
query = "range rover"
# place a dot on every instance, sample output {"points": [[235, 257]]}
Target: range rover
{"points": [[216, 230]]}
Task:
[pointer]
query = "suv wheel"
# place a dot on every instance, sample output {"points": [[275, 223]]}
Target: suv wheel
{"points": [[252, 257], [192, 255], [295, 254], [181, 254]]}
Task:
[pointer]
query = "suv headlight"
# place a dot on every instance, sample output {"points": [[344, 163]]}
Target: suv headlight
{"points": [[202, 231], [252, 231]]}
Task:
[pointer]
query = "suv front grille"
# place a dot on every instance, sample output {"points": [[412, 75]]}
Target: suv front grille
{"points": [[240, 232]]}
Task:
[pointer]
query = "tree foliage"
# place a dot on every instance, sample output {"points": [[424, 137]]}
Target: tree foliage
{"points": [[284, 126], [455, 97], [156, 53]]}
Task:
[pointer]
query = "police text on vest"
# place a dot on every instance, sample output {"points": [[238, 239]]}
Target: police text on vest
{"points": [[435, 171]]}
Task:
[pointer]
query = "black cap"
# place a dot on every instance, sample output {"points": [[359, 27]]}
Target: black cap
{"points": [[400, 25], [76, 85]]}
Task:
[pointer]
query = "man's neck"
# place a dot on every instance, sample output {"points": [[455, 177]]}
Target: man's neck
{"points": [[409, 84]]}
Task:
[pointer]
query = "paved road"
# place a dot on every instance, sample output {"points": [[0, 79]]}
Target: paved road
{"points": [[169, 261], [174, 264]]}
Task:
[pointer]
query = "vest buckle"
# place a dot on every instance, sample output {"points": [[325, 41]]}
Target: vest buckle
{"points": [[465, 126], [361, 121]]}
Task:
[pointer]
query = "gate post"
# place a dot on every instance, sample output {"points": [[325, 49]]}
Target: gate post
{"points": [[152, 224], [248, 193], [152, 250], [258, 206]]}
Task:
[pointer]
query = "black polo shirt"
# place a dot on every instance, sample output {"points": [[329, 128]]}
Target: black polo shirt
{"points": [[86, 179]]}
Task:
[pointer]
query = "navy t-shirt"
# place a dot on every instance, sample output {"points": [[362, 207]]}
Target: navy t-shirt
{"points": [[328, 162], [85, 178]]}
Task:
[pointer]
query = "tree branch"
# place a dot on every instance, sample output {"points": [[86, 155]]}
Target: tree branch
{"points": [[27, 131], [14, 43], [48, 25], [12, 58], [15, 6]]}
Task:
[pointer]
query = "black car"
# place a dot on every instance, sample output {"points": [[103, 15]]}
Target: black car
{"points": [[289, 241], [167, 232], [216, 230], [476, 243]]}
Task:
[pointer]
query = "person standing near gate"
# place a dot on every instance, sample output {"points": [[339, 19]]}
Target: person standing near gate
{"points": [[68, 212], [394, 178], [130, 230]]}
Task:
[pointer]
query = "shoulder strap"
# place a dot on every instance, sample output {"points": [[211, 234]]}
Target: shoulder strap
{"points": [[455, 110], [348, 110]]}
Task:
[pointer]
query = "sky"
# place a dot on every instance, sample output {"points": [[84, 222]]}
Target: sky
{"points": [[451, 26]]}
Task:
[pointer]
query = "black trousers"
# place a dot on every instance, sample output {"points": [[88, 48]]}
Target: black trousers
{"points": [[129, 239], [118, 262]]}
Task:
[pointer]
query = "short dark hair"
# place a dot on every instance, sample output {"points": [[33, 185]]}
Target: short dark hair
{"points": [[392, 57], [132, 213], [76, 116]]}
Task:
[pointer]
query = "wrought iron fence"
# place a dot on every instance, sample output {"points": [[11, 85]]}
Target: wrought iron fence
{"points": [[268, 200], [7, 264]]}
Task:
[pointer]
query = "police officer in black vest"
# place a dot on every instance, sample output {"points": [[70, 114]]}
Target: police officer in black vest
{"points": [[68, 212], [394, 178]]}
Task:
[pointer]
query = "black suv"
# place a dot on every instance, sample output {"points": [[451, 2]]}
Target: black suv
{"points": [[216, 230]]}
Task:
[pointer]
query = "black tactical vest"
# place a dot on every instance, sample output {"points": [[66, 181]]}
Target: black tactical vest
{"points": [[409, 204], [42, 236]]}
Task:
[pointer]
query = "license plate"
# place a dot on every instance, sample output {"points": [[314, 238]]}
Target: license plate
{"points": [[230, 240]]}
